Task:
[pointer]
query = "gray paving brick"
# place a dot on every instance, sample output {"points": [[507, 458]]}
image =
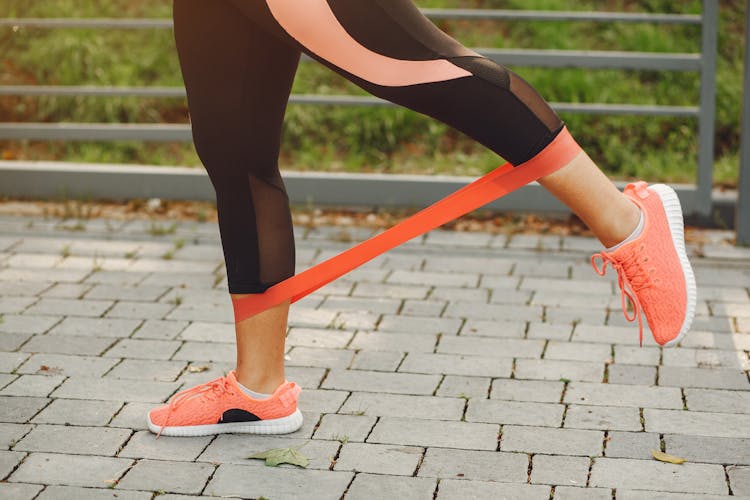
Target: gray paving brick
{"points": [[457, 364], [521, 298], [549, 331], [623, 395], [32, 385], [705, 358], [475, 465], [718, 401], [460, 386], [310, 318], [416, 324], [206, 352], [551, 441], [22, 288], [356, 320], [394, 383], [146, 310], [309, 337], [235, 448], [493, 311], [67, 290], [396, 405], [631, 444], [160, 329], [6, 378], [632, 374], [44, 275], [8, 461], [527, 390], [78, 412], [72, 470], [739, 479], [17, 409], [148, 369], [650, 475], [506, 348], [111, 389], [144, 444], [603, 417], [495, 282], [19, 323], [465, 294], [378, 290], [57, 492], [465, 435], [143, 349], [132, 293], [574, 315], [132, 416], [576, 493], [397, 342], [367, 486], [96, 327], [709, 449], [713, 378], [73, 439], [321, 400], [618, 335], [18, 491], [13, 341], [10, 434], [461, 280], [322, 357], [663, 495], [559, 470], [712, 340], [423, 307], [10, 361], [513, 412], [634, 355], [345, 427], [458, 489], [159, 475], [502, 329], [305, 376], [552, 369], [598, 353], [377, 360], [68, 365], [376, 305], [695, 423], [54, 344], [70, 307], [281, 483], [15, 305], [379, 458]]}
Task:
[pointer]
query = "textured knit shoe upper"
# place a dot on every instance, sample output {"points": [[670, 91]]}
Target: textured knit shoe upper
{"points": [[653, 271], [223, 401]]}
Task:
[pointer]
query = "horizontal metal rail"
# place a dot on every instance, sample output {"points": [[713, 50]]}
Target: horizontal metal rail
{"points": [[181, 132], [441, 14]]}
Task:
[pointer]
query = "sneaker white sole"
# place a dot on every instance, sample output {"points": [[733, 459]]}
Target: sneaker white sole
{"points": [[676, 226], [283, 425]]}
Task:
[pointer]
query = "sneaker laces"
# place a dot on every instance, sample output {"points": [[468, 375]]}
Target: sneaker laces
{"points": [[631, 278], [209, 390]]}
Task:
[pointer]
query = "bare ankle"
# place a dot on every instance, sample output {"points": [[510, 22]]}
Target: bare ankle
{"points": [[263, 384], [622, 222]]}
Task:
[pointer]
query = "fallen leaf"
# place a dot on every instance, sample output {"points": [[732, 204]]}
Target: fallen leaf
{"points": [[197, 369], [279, 456], [664, 457]]}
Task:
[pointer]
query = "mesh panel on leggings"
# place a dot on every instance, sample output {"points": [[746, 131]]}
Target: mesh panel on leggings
{"points": [[273, 223]]}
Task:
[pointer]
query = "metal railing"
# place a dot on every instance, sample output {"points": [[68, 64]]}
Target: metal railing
{"points": [[697, 199]]}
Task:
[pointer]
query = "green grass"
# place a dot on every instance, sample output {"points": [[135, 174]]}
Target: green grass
{"points": [[383, 140]]}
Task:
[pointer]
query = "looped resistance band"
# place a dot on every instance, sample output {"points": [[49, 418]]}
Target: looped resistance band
{"points": [[501, 181]]}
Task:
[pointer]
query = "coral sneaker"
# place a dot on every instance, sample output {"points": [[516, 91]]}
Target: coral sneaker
{"points": [[653, 270], [221, 406]]}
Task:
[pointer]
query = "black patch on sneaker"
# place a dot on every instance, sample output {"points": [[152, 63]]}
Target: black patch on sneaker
{"points": [[237, 415]]}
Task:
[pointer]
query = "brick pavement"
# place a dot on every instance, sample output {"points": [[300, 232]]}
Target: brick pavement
{"points": [[457, 366]]}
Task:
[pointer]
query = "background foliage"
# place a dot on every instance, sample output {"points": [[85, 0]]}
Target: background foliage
{"points": [[383, 140]]}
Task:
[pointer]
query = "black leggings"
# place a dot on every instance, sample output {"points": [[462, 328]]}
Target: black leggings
{"points": [[238, 60]]}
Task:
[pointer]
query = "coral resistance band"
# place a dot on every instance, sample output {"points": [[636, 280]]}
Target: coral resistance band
{"points": [[501, 181]]}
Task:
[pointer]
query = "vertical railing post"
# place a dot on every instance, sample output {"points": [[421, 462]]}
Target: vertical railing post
{"points": [[707, 117], [743, 197]]}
